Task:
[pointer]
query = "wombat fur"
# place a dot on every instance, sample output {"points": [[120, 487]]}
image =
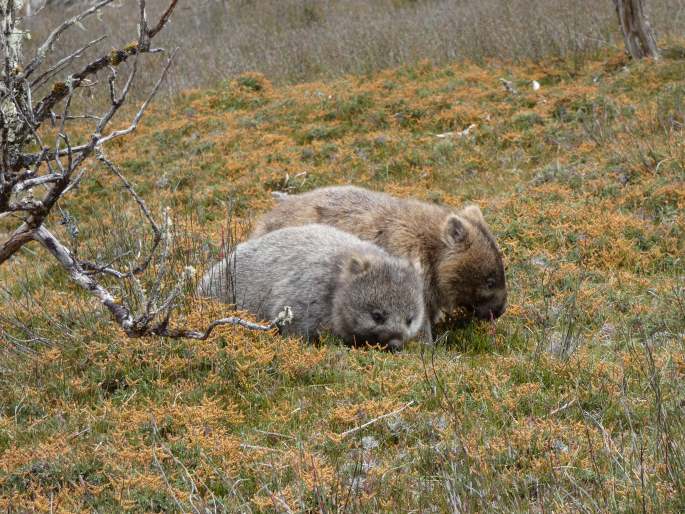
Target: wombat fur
{"points": [[332, 281], [461, 262]]}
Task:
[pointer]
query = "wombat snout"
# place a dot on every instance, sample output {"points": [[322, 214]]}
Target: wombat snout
{"points": [[395, 345]]}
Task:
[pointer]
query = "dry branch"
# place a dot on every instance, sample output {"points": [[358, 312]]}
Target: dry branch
{"points": [[46, 47], [121, 314], [34, 183], [62, 63], [143, 324]]}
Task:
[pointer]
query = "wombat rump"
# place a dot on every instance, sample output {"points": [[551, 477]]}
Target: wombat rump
{"points": [[461, 262], [330, 279]]}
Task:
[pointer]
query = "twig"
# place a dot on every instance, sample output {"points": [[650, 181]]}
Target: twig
{"points": [[193, 487], [163, 473], [138, 326], [33, 182], [54, 35], [88, 147], [116, 57], [162, 20], [233, 320], [274, 434], [374, 420], [72, 266], [157, 234], [134, 124], [562, 408], [78, 434], [260, 448], [62, 63]]}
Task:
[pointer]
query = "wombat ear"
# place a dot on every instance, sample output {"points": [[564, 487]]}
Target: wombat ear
{"points": [[455, 231], [473, 213], [358, 265]]}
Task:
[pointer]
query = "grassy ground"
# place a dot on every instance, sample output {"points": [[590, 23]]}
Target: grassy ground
{"points": [[573, 401]]}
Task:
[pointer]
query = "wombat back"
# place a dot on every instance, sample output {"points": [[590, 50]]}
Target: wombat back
{"points": [[461, 260]]}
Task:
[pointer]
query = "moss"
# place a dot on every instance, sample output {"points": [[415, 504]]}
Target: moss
{"points": [[131, 48], [116, 57], [60, 88]]}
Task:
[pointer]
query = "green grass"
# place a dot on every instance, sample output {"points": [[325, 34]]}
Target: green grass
{"points": [[573, 401]]}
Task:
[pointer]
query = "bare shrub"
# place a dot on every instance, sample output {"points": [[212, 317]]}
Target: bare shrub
{"points": [[44, 151]]}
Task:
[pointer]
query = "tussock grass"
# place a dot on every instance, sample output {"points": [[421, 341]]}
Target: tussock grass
{"points": [[297, 40], [573, 401]]}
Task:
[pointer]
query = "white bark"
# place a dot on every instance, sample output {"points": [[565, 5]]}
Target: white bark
{"points": [[12, 36], [78, 275], [10, 45]]}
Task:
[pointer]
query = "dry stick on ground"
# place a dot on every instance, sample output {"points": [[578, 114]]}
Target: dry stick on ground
{"points": [[374, 420], [34, 183], [562, 408]]}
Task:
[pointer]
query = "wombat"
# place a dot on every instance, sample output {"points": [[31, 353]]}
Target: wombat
{"points": [[332, 281], [461, 262]]}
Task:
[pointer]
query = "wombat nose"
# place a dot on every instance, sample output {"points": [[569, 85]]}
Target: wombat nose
{"points": [[395, 345], [488, 312]]}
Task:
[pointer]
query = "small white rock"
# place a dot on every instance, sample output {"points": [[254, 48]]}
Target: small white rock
{"points": [[467, 130], [540, 261], [369, 442]]}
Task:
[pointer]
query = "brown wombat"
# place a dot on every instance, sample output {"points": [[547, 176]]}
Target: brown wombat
{"points": [[461, 262], [330, 279]]}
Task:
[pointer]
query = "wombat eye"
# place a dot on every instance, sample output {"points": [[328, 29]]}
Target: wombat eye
{"points": [[378, 317], [490, 282], [409, 320]]}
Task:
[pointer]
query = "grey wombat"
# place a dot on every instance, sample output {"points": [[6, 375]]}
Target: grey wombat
{"points": [[332, 281]]}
